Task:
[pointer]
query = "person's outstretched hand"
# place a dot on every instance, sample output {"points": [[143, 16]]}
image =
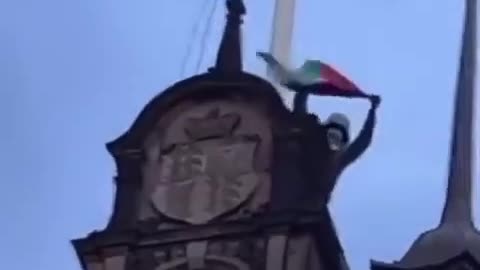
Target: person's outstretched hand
{"points": [[375, 100]]}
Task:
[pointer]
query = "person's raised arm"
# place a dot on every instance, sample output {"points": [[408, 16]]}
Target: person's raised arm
{"points": [[363, 140]]}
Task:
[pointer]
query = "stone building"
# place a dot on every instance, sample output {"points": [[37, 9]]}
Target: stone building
{"points": [[217, 173]]}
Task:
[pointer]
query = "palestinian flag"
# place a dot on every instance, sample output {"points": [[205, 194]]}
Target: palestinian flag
{"points": [[314, 77]]}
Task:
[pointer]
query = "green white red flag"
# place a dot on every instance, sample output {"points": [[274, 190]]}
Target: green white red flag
{"points": [[314, 76]]}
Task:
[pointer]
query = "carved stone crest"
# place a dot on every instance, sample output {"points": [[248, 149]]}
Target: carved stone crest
{"points": [[208, 176]]}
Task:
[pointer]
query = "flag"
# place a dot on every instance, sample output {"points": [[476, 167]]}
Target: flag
{"points": [[314, 76], [280, 73]]}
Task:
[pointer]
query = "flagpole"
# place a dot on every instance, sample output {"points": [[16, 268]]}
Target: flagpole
{"points": [[281, 40]]}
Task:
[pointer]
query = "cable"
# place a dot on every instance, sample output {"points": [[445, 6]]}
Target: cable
{"points": [[193, 34], [205, 35]]}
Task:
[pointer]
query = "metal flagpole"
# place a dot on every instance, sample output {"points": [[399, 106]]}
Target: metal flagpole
{"points": [[281, 43]]}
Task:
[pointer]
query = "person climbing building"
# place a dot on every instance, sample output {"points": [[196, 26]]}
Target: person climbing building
{"points": [[345, 152], [318, 78]]}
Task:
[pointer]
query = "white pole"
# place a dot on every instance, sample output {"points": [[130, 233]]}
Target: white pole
{"points": [[281, 43]]}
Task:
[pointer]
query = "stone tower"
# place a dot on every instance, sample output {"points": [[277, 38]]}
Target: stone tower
{"points": [[455, 243], [216, 173]]}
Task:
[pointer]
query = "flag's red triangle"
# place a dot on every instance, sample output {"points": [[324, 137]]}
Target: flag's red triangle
{"points": [[335, 78]]}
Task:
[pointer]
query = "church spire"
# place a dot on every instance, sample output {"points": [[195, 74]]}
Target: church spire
{"points": [[456, 234], [458, 205], [229, 56]]}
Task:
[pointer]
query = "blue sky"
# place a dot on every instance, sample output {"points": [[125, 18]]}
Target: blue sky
{"points": [[74, 75]]}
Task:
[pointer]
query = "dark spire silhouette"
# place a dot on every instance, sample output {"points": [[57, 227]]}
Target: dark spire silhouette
{"points": [[458, 204], [456, 233], [229, 56]]}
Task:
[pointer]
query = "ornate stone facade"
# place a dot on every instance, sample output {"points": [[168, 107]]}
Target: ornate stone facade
{"points": [[216, 173], [201, 176]]}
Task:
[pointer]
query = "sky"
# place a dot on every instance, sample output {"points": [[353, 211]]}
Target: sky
{"points": [[75, 74]]}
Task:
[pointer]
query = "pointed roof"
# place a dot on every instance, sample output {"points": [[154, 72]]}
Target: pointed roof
{"points": [[458, 205], [456, 233], [229, 55], [464, 261]]}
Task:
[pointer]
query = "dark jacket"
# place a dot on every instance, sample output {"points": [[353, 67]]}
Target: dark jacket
{"points": [[342, 159]]}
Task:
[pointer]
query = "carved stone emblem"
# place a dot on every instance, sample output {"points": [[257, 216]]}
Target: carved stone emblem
{"points": [[209, 176]]}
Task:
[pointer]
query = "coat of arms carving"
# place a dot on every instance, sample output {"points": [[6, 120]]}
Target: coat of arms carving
{"points": [[211, 174]]}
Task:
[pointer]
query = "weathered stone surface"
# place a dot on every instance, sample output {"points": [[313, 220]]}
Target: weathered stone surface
{"points": [[201, 167], [212, 175]]}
